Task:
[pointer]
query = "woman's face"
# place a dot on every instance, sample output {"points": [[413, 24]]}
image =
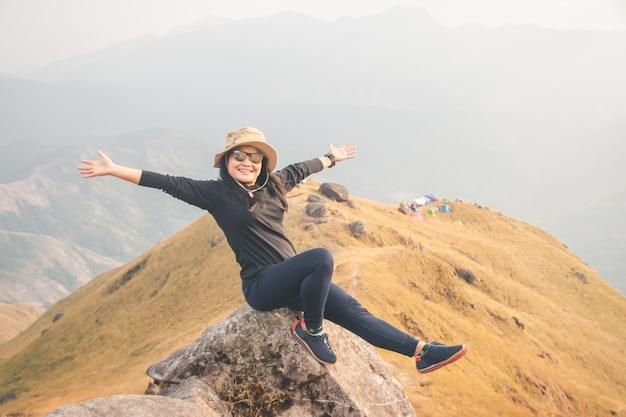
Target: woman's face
{"points": [[246, 171]]}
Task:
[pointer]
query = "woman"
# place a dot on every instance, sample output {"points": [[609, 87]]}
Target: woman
{"points": [[248, 202]]}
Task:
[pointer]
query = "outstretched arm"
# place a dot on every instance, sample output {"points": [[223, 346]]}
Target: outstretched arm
{"points": [[104, 166], [347, 151]]}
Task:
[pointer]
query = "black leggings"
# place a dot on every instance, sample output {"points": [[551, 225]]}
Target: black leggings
{"points": [[304, 283]]}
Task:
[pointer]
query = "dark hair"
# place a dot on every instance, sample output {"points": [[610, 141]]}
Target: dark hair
{"points": [[274, 185]]}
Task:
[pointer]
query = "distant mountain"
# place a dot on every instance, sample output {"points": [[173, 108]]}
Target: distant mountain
{"points": [[59, 230], [544, 330], [521, 79], [519, 118]]}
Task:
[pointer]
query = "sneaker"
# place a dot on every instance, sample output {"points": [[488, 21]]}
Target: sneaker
{"points": [[316, 345], [438, 355]]}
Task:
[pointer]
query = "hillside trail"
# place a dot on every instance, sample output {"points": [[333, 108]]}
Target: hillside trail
{"points": [[352, 258]]}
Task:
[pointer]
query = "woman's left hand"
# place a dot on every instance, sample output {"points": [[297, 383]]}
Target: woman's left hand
{"points": [[346, 151]]}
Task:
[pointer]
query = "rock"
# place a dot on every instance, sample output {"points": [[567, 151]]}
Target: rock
{"points": [[357, 228], [267, 373], [137, 406], [250, 365], [196, 391], [518, 323], [334, 191], [467, 275], [8, 396], [315, 198], [217, 240], [315, 209], [581, 277]]}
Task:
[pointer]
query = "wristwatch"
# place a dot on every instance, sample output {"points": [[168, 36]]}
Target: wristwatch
{"points": [[332, 159]]}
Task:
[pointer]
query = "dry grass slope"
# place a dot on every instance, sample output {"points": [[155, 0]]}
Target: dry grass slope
{"points": [[568, 359], [16, 317]]}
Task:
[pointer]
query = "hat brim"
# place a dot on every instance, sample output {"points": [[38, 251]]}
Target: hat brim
{"points": [[270, 154]]}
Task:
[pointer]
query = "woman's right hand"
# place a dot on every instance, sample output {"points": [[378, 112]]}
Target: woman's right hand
{"points": [[103, 166]]}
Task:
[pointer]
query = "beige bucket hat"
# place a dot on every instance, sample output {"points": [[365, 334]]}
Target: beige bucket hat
{"points": [[249, 136]]}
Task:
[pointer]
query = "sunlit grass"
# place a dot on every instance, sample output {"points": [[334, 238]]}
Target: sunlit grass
{"points": [[568, 359]]}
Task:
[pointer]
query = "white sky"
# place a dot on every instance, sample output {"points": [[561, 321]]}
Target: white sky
{"points": [[36, 32]]}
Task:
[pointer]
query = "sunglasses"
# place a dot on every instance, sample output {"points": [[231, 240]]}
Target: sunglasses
{"points": [[255, 157]]}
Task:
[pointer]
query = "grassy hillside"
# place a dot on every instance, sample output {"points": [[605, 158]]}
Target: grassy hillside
{"points": [[567, 360], [16, 317]]}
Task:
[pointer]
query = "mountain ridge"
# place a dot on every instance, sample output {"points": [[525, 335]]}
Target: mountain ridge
{"points": [[506, 116], [56, 232], [406, 271]]}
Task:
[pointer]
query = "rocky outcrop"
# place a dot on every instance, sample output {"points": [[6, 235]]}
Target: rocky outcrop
{"points": [[250, 365], [334, 191], [137, 406], [315, 209], [358, 228]]}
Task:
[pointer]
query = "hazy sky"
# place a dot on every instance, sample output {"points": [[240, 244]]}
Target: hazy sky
{"points": [[36, 32]]}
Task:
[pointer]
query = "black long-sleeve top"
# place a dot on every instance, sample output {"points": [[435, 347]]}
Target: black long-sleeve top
{"points": [[256, 237]]}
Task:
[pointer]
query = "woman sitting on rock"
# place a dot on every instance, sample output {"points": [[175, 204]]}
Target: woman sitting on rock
{"points": [[248, 203]]}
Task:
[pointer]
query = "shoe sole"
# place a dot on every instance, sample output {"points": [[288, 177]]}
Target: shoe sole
{"points": [[448, 361], [306, 346]]}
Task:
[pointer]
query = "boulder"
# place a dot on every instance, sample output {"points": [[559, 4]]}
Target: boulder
{"points": [[315, 198], [137, 406], [254, 365], [250, 365], [334, 191], [465, 274], [357, 228], [316, 209]]}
